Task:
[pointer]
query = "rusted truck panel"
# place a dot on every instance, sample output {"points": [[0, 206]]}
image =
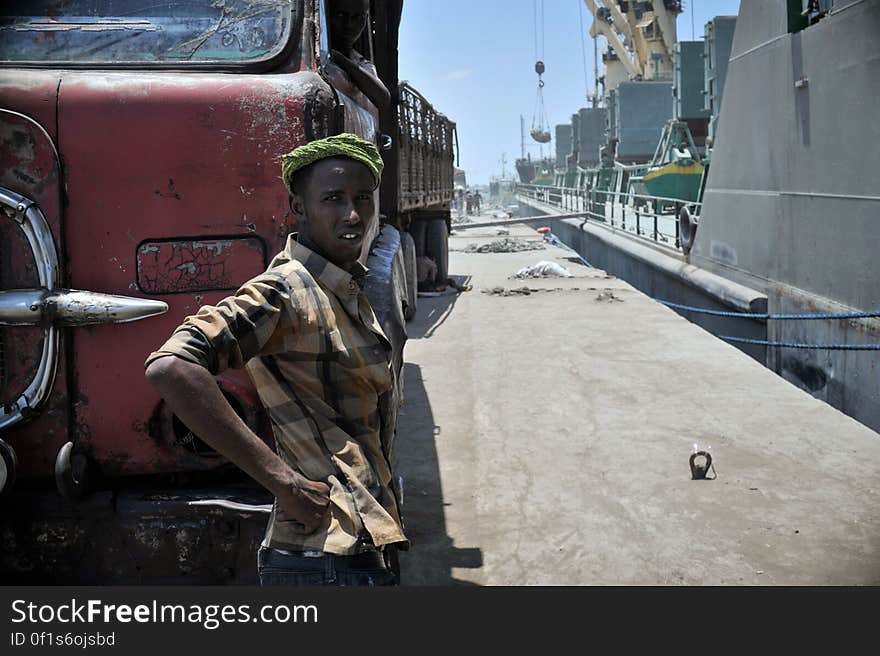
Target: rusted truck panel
{"points": [[225, 190], [184, 535], [171, 196], [138, 183]]}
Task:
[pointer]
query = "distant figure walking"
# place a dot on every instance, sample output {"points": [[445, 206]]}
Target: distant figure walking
{"points": [[478, 200], [470, 202]]}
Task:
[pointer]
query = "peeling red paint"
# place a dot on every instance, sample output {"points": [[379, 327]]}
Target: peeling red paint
{"points": [[198, 265]]}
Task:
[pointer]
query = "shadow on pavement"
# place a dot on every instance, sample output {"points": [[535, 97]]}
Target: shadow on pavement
{"points": [[433, 554], [434, 310]]}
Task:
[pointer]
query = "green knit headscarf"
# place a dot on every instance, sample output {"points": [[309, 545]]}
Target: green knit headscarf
{"points": [[340, 145]]}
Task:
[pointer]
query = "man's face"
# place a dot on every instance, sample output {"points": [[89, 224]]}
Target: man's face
{"points": [[347, 21], [335, 209]]}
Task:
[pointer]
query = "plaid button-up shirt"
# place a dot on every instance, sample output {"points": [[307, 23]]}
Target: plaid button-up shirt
{"points": [[319, 360]]}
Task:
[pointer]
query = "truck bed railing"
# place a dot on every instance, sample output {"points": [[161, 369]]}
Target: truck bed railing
{"points": [[426, 141]]}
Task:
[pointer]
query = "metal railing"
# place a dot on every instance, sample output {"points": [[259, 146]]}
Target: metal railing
{"points": [[651, 217]]}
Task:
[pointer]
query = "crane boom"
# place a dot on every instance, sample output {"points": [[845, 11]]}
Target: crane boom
{"points": [[606, 30], [667, 25]]}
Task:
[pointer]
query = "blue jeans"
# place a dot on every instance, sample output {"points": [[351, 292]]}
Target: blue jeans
{"points": [[284, 568]]}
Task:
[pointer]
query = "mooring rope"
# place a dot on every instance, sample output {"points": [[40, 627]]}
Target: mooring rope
{"points": [[797, 345], [770, 317]]}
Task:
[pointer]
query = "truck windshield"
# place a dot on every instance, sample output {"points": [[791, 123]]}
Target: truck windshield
{"points": [[143, 31]]}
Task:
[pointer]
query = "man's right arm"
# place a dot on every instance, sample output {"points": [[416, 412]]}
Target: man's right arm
{"points": [[216, 338], [194, 396]]}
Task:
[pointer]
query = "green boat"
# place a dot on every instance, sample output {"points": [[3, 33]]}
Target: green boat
{"points": [[536, 172], [676, 170]]}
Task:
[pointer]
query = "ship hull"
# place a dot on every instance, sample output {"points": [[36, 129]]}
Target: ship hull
{"points": [[789, 210]]}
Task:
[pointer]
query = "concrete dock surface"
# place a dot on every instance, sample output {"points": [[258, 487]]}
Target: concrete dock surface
{"points": [[545, 440]]}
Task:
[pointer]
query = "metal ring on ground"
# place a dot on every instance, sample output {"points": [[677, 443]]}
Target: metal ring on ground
{"points": [[698, 472]]}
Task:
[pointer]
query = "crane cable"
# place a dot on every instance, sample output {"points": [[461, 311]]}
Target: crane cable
{"points": [[540, 130], [539, 18], [580, 5]]}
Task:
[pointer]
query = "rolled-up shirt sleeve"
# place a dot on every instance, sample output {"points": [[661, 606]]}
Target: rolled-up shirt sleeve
{"points": [[227, 335]]}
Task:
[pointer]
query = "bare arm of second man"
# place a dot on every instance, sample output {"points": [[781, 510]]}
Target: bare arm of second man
{"points": [[371, 86]]}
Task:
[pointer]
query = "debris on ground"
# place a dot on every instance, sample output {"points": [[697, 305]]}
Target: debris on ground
{"points": [[505, 246], [501, 291], [524, 291], [503, 231], [608, 296], [544, 269]]}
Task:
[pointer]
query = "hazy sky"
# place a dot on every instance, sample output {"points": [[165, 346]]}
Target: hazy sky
{"points": [[475, 61]]}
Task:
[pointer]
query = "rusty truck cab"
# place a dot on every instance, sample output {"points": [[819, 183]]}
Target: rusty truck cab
{"points": [[140, 147]]}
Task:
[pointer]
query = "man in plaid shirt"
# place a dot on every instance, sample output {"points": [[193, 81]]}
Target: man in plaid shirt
{"points": [[306, 334]]}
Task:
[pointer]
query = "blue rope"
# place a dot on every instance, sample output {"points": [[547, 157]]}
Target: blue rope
{"points": [[766, 317], [553, 239], [795, 345]]}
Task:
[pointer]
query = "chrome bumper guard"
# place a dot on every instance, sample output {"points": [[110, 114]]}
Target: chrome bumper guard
{"points": [[53, 308]]}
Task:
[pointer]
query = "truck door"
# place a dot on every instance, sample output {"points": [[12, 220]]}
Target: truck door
{"points": [[36, 358]]}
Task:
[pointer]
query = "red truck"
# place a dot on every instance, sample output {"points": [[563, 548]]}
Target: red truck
{"points": [[140, 148]]}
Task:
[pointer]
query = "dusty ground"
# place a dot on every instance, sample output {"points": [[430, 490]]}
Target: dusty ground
{"points": [[545, 439]]}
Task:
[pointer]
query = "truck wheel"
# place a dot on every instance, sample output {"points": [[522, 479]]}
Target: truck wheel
{"points": [[385, 288], [72, 473], [408, 245], [437, 248], [8, 467], [417, 230]]}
